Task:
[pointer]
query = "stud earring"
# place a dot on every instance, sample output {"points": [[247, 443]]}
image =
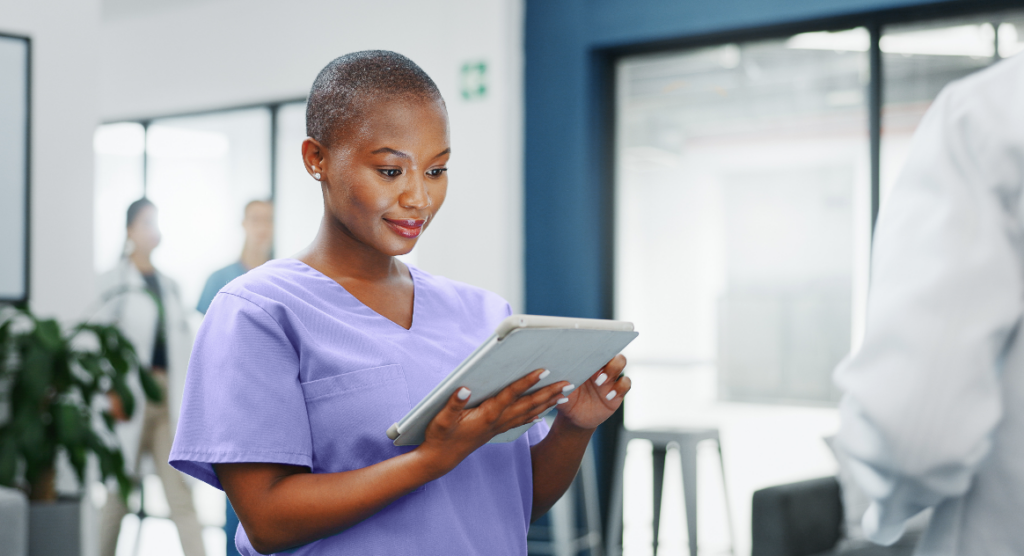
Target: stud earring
{"points": [[316, 176]]}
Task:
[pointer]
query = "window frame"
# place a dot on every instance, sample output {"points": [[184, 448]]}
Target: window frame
{"points": [[27, 253], [273, 107]]}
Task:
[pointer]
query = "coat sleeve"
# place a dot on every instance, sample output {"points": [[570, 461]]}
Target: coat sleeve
{"points": [[922, 396]]}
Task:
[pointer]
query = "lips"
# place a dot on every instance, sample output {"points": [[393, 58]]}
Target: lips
{"points": [[406, 227]]}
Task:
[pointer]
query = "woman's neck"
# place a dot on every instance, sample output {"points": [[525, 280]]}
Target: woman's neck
{"points": [[337, 254], [142, 262]]}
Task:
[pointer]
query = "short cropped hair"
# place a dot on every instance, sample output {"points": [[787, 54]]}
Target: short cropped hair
{"points": [[346, 84]]}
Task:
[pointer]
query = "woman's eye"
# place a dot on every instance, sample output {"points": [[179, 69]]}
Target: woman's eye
{"points": [[436, 172], [391, 172]]}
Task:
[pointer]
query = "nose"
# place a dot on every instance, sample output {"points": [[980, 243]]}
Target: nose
{"points": [[415, 195]]}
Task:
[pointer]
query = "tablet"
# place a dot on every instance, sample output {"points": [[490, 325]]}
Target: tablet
{"points": [[572, 349]]}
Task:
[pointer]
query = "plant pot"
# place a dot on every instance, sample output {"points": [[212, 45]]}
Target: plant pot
{"points": [[56, 528], [13, 522]]}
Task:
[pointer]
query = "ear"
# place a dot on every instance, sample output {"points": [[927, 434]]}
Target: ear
{"points": [[313, 156]]}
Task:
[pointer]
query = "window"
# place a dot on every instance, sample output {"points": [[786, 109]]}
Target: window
{"points": [[744, 191], [119, 180], [918, 60], [298, 200], [743, 183], [743, 195], [201, 172], [14, 166]]}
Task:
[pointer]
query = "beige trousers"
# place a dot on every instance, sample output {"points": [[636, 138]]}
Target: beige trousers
{"points": [[156, 440]]}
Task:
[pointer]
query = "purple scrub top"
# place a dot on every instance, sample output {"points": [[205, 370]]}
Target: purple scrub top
{"points": [[288, 367]]}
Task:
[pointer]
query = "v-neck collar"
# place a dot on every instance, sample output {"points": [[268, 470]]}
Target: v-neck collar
{"points": [[366, 308]]}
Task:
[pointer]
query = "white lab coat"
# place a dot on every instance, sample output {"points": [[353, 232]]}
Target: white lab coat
{"points": [[123, 300], [933, 411]]}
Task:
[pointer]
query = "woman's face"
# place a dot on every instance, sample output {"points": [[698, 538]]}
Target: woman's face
{"points": [[385, 178], [144, 232]]}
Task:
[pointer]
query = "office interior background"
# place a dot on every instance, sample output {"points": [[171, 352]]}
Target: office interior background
{"points": [[709, 171]]}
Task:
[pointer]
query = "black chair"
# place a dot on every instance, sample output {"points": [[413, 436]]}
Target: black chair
{"points": [[806, 519]]}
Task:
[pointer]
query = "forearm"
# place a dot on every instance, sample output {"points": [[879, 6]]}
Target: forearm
{"points": [[556, 459], [298, 508]]}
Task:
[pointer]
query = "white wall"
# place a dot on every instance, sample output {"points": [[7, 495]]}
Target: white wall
{"points": [[65, 111], [221, 53]]}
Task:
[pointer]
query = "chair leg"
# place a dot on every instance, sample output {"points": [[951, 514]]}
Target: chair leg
{"points": [[614, 529], [563, 526], [688, 456], [728, 507], [658, 457], [142, 517], [592, 507]]}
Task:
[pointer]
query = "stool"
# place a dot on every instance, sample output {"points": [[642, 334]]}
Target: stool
{"points": [[564, 538], [141, 514], [686, 440]]}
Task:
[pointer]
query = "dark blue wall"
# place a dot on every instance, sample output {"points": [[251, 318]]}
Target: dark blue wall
{"points": [[570, 48]]}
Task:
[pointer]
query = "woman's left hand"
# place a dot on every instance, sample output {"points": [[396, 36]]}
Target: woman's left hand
{"points": [[596, 399]]}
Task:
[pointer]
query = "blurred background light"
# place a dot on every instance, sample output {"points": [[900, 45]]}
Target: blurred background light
{"points": [[977, 40], [123, 139], [175, 142]]}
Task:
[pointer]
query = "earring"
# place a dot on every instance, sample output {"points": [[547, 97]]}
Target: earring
{"points": [[316, 176]]}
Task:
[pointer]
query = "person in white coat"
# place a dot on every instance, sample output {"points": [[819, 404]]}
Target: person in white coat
{"points": [[146, 306], [933, 411]]}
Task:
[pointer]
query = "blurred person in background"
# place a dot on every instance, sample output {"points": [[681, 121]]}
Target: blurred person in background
{"points": [[146, 306], [933, 411], [258, 223]]}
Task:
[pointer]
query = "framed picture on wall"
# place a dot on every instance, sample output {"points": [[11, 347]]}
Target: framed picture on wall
{"points": [[15, 120]]}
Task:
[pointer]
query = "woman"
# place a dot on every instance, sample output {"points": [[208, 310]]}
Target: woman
{"points": [[302, 364], [147, 308]]}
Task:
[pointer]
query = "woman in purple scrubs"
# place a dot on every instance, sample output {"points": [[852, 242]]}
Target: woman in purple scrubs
{"points": [[302, 364]]}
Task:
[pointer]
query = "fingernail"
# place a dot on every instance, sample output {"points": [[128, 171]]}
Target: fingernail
{"points": [[562, 400], [610, 395], [464, 394], [537, 420], [601, 379], [569, 388], [544, 375]]}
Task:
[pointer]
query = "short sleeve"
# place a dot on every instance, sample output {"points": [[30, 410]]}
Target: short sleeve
{"points": [[242, 400], [538, 432]]}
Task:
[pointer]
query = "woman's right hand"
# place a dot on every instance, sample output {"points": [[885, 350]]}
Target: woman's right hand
{"points": [[457, 431]]}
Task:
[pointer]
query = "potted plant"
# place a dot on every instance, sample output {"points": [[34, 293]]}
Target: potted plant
{"points": [[52, 379]]}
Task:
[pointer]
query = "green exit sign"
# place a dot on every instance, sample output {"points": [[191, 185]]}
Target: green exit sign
{"points": [[474, 80]]}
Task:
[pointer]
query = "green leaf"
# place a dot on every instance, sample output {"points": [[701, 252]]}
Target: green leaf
{"points": [[48, 332], [31, 433], [149, 385], [117, 361], [36, 372], [60, 379], [124, 486], [70, 422], [78, 457], [105, 459], [91, 364], [5, 345], [127, 399], [109, 420], [8, 459]]}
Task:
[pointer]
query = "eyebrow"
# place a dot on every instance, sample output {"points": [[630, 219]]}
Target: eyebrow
{"points": [[389, 150]]}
